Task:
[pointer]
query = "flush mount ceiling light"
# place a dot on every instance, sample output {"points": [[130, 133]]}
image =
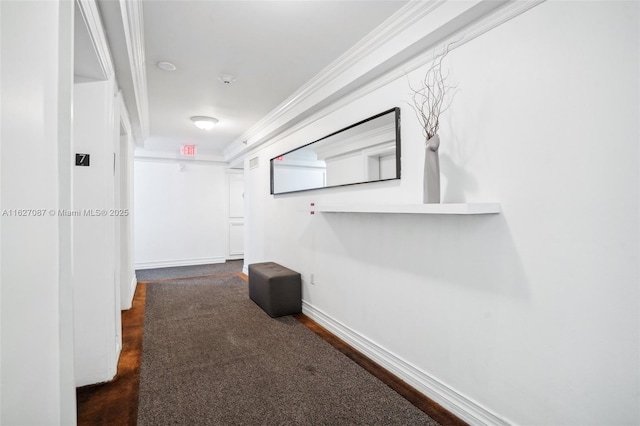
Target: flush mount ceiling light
{"points": [[204, 123], [166, 66]]}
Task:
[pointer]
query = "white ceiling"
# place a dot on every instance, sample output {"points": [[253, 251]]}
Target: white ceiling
{"points": [[271, 47]]}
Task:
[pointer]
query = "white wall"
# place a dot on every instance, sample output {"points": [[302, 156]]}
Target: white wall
{"points": [[36, 377], [96, 290], [527, 317], [181, 216]]}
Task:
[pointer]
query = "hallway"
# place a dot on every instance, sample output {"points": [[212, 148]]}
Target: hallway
{"points": [[141, 134]]}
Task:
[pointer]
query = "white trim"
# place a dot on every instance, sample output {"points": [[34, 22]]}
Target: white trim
{"points": [[91, 16], [322, 95], [458, 404], [230, 171], [178, 160], [133, 24], [124, 114], [132, 292], [179, 262], [185, 161]]}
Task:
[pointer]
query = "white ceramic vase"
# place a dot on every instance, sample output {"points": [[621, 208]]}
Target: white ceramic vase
{"points": [[431, 184]]}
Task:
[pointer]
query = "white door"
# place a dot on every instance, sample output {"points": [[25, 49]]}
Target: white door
{"points": [[236, 216]]}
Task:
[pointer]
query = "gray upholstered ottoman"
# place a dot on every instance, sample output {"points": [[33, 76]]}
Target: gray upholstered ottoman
{"points": [[276, 289]]}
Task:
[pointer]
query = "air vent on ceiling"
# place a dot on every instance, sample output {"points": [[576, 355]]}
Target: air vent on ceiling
{"points": [[254, 162]]}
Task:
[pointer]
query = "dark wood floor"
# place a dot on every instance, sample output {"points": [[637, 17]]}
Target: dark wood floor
{"points": [[116, 402], [431, 408]]}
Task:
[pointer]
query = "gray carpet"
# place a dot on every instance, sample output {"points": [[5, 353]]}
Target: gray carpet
{"points": [[159, 274], [213, 357]]}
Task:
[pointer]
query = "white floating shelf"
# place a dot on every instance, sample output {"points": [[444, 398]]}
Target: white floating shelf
{"points": [[449, 208]]}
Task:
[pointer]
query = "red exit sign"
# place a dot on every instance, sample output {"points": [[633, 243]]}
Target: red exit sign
{"points": [[188, 150]]}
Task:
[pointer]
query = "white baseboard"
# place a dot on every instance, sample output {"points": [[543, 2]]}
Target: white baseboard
{"points": [[179, 262], [461, 406]]}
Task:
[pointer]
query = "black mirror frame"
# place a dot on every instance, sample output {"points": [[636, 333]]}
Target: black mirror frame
{"points": [[395, 110]]}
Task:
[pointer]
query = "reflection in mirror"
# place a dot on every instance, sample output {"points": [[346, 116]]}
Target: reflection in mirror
{"points": [[367, 151]]}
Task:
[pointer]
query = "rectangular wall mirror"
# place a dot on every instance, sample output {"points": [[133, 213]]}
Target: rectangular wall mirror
{"points": [[367, 151]]}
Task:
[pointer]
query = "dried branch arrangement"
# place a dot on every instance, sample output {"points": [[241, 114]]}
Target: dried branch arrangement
{"points": [[432, 99]]}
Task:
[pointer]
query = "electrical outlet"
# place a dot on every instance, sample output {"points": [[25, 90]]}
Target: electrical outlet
{"points": [[312, 279]]}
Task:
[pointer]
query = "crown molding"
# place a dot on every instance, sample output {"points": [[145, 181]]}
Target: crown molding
{"points": [[408, 60], [91, 15], [336, 76], [133, 24], [395, 25], [124, 119], [152, 159], [142, 154], [509, 10], [431, 25]]}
